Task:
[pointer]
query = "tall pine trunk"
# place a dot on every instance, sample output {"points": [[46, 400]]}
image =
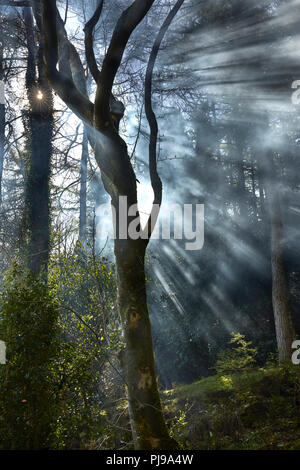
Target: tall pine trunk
{"points": [[285, 333], [2, 118], [40, 124]]}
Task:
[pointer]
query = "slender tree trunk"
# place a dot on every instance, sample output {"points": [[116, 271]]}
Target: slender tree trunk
{"points": [[242, 192], [241, 180], [83, 186], [2, 118], [83, 84], [253, 195], [261, 192], [282, 315]]}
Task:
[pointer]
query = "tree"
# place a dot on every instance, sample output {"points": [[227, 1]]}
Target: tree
{"points": [[40, 123], [2, 115], [103, 117], [285, 333], [7, 42], [83, 182]]}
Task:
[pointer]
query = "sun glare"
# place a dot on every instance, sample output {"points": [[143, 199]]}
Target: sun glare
{"points": [[39, 95]]}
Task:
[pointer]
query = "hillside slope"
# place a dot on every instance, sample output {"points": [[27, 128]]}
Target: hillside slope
{"points": [[258, 409]]}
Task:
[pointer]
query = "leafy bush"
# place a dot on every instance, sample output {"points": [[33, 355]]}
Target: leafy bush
{"points": [[253, 408], [238, 359], [84, 287], [61, 340], [28, 325]]}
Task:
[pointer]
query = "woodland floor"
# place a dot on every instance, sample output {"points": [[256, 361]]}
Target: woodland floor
{"points": [[254, 410]]}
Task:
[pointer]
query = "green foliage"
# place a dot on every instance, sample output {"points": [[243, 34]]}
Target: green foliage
{"points": [[28, 325], [61, 341], [237, 359], [179, 427], [84, 287], [78, 421], [252, 409], [85, 290]]}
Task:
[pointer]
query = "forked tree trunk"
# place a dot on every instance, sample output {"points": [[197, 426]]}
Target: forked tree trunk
{"points": [[285, 333], [103, 117], [148, 425]]}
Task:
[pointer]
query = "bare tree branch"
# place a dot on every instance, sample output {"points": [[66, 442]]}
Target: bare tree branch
{"points": [[154, 176], [126, 24], [88, 41], [20, 3], [62, 83]]}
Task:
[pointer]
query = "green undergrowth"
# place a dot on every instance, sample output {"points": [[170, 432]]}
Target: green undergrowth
{"points": [[254, 409]]}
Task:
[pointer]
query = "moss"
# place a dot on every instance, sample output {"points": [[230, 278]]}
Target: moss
{"points": [[258, 409]]}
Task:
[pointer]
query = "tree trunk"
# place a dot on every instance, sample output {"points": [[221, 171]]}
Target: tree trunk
{"points": [[40, 121], [242, 192], [83, 184], [149, 429], [282, 315], [261, 193], [2, 120], [253, 195], [147, 422], [37, 191]]}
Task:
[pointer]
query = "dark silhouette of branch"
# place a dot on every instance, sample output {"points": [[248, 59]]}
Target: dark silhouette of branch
{"points": [[154, 176], [88, 41], [127, 22], [62, 83], [20, 3]]}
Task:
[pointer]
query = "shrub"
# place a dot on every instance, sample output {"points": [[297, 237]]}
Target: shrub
{"points": [[28, 325], [238, 359]]}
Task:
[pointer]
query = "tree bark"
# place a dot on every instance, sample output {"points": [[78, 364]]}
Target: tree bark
{"points": [[285, 333], [148, 426], [2, 120], [40, 121], [83, 188], [147, 421]]}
